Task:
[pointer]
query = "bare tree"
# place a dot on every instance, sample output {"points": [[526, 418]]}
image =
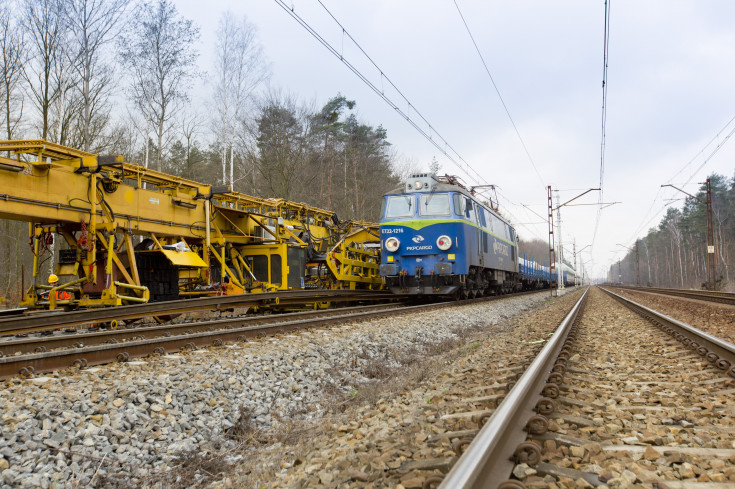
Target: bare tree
{"points": [[240, 68], [92, 24], [404, 167], [125, 139], [44, 22], [283, 148], [11, 74], [13, 233], [186, 158], [159, 51]]}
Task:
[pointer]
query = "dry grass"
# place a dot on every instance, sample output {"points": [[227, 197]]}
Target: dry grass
{"points": [[196, 469], [243, 430]]}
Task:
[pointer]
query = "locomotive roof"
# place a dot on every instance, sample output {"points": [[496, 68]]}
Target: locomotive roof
{"points": [[441, 184], [438, 187]]}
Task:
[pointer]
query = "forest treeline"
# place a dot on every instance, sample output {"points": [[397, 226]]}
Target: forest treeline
{"points": [[118, 77], [674, 254]]}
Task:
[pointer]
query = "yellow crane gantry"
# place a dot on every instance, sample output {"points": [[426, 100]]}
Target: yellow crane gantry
{"points": [[194, 239]]}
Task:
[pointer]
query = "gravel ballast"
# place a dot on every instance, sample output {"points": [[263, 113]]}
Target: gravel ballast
{"points": [[122, 423]]}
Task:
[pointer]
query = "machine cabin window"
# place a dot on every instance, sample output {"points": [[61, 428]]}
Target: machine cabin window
{"points": [[259, 266], [276, 272]]}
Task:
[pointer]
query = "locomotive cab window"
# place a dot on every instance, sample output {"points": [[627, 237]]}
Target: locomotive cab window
{"points": [[460, 205], [481, 212], [399, 206], [435, 205], [471, 211], [488, 220]]}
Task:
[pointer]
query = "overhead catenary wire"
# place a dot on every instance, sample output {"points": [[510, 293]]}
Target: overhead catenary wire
{"points": [[458, 161], [497, 90], [515, 219], [646, 220], [528, 209], [659, 195], [605, 54], [709, 157], [717, 148], [606, 49], [430, 133]]}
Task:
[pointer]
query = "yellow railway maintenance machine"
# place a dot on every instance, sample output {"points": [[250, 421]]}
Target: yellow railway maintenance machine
{"points": [[133, 235]]}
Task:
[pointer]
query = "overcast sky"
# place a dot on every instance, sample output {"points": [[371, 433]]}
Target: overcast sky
{"points": [[671, 80]]}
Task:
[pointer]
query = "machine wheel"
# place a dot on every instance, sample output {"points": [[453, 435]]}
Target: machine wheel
{"points": [[164, 318]]}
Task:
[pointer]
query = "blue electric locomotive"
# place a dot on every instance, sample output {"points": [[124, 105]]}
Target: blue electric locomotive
{"points": [[437, 238]]}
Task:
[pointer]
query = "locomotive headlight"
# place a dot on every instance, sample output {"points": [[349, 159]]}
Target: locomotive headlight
{"points": [[392, 244], [444, 243], [417, 184]]}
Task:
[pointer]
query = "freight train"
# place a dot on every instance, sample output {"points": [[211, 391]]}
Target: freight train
{"points": [[437, 238], [534, 275]]}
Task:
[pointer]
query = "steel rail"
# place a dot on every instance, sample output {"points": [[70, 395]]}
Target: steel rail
{"points": [[46, 320], [26, 365], [13, 312], [488, 461], [45, 343], [30, 364], [703, 295], [716, 351]]}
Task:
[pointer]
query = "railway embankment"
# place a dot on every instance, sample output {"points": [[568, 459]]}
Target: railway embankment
{"points": [[182, 420], [711, 317]]}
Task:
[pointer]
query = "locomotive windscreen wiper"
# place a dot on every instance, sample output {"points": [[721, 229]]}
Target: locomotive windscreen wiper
{"points": [[435, 204], [431, 196]]}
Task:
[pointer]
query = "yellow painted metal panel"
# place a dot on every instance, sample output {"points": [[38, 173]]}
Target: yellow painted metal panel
{"points": [[184, 258]]}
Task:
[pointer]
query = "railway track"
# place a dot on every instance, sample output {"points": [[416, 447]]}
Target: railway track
{"points": [[714, 318], [623, 405], [703, 295], [31, 322], [414, 438], [631, 405], [610, 398], [35, 354], [135, 423], [77, 338], [491, 452]]}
